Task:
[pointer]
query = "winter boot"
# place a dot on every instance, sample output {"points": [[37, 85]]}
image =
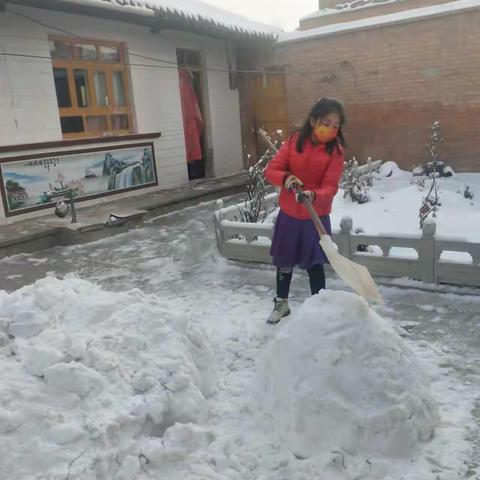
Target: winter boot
{"points": [[280, 310]]}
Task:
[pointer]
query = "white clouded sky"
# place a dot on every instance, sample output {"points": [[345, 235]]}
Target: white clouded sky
{"points": [[281, 13]]}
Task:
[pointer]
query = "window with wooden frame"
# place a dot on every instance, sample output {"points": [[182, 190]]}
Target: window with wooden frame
{"points": [[92, 85]]}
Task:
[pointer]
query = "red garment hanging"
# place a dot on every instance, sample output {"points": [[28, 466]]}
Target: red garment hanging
{"points": [[192, 117]]}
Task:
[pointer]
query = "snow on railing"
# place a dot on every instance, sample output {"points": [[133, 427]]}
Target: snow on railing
{"points": [[369, 167], [251, 242]]}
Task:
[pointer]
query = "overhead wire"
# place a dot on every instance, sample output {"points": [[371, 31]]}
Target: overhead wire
{"points": [[168, 64]]}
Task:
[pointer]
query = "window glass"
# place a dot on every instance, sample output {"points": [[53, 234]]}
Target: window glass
{"points": [[120, 122], [60, 76], [86, 51], [109, 54], [97, 123], [119, 89], [81, 87], [72, 124], [101, 95], [61, 49]]}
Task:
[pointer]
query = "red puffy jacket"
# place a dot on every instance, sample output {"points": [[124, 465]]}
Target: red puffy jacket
{"points": [[319, 172]]}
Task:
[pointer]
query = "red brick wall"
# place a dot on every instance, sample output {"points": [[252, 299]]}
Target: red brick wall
{"points": [[395, 81]]}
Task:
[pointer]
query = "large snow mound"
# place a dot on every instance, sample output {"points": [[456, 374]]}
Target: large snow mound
{"points": [[95, 384], [338, 377]]}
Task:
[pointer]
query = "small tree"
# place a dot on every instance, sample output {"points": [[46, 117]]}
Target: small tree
{"points": [[253, 211], [431, 202], [353, 184], [468, 192]]}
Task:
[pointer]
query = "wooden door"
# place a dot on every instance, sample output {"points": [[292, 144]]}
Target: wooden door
{"points": [[270, 102], [264, 106]]}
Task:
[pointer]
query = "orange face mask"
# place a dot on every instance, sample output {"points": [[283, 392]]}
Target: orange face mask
{"points": [[325, 134]]}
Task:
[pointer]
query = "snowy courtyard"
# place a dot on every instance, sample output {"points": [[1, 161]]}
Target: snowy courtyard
{"points": [[394, 205], [137, 344], [147, 356]]}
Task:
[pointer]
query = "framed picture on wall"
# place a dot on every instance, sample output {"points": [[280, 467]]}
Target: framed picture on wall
{"points": [[27, 182]]}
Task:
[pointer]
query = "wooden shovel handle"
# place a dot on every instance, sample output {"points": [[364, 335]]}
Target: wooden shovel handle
{"points": [[305, 201], [267, 140], [315, 218]]}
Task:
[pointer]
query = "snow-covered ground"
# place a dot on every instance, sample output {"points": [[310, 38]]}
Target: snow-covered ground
{"points": [[148, 355], [394, 205]]}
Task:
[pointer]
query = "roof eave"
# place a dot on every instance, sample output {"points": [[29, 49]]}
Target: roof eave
{"points": [[166, 20], [156, 21]]}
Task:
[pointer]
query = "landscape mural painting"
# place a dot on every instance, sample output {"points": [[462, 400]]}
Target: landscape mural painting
{"points": [[29, 182]]}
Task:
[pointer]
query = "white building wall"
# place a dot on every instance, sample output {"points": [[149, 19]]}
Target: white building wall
{"points": [[28, 104], [225, 117]]}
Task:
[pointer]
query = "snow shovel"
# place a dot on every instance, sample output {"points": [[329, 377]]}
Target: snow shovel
{"points": [[356, 276]]}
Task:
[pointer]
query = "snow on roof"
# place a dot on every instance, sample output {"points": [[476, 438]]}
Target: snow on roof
{"points": [[192, 10], [347, 7], [381, 20]]}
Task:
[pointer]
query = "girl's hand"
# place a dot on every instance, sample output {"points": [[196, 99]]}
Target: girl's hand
{"points": [[292, 181], [301, 196]]}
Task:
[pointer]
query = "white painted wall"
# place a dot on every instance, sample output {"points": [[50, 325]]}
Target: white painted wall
{"points": [[28, 105], [223, 109]]}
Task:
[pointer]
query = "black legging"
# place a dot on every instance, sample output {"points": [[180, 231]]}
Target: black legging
{"points": [[284, 279]]}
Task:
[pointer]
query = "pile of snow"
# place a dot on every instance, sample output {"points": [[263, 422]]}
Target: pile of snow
{"points": [[337, 377], [388, 169], [98, 384]]}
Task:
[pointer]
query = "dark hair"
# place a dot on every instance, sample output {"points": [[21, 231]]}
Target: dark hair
{"points": [[323, 107]]}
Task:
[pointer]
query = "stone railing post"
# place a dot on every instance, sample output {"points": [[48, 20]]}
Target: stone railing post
{"points": [[343, 239], [427, 258], [220, 236]]}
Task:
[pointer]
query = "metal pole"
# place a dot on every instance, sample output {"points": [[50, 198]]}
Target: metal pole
{"points": [[72, 206]]}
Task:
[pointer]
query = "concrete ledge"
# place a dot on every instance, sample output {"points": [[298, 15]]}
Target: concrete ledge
{"points": [[47, 231], [90, 233], [161, 208], [76, 233]]}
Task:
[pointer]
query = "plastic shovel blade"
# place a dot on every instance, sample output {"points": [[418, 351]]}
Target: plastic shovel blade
{"points": [[356, 276]]}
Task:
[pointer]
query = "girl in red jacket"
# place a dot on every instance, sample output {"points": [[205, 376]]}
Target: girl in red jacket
{"points": [[311, 159]]}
